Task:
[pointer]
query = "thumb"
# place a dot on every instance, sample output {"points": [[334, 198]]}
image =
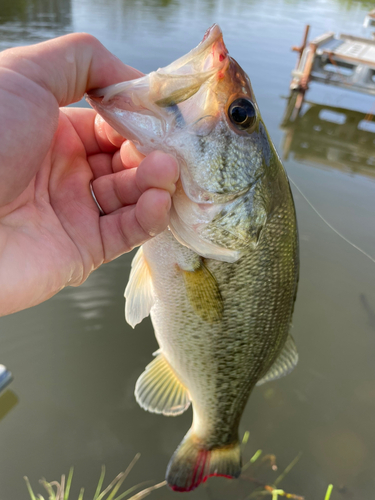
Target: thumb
{"points": [[68, 66]]}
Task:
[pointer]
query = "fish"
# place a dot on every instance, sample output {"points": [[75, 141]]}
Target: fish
{"points": [[220, 283]]}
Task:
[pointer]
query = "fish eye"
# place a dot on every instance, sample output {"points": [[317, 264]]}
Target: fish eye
{"points": [[242, 113]]}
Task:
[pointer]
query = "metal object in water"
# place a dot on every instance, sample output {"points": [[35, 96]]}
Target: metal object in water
{"points": [[5, 377]]}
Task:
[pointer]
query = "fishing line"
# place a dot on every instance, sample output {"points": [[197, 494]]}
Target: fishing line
{"points": [[329, 225]]}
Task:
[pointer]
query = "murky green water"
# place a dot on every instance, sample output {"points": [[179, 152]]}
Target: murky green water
{"points": [[75, 360]]}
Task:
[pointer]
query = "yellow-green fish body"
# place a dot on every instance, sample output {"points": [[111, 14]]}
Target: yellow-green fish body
{"points": [[220, 283]]}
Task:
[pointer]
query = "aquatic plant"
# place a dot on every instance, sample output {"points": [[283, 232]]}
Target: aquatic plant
{"points": [[252, 470], [61, 491]]}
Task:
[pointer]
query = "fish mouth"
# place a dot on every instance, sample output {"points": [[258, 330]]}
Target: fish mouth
{"points": [[155, 95], [212, 47]]}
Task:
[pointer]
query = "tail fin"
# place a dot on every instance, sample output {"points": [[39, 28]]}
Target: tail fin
{"points": [[192, 464]]}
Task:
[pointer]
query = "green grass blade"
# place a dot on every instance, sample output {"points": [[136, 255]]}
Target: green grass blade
{"points": [[68, 483], [30, 490], [81, 494], [245, 438], [255, 457], [276, 493], [100, 483], [288, 469], [329, 491]]}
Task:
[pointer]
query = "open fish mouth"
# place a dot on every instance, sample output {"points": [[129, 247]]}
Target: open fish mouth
{"points": [[158, 93], [188, 72]]}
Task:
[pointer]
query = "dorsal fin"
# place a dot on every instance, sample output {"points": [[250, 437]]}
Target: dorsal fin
{"points": [[138, 292], [158, 389], [284, 364]]}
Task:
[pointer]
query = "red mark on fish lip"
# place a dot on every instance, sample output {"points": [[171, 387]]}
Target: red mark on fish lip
{"points": [[221, 57], [207, 34]]}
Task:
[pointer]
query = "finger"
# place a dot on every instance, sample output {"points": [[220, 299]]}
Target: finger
{"points": [[116, 190], [134, 225], [108, 139], [127, 157], [100, 164], [130, 156], [157, 170], [96, 135], [117, 165]]}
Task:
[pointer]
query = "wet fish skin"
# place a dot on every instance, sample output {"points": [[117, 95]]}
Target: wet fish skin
{"points": [[220, 284]]}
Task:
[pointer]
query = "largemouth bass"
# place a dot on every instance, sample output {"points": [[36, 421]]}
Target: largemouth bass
{"points": [[220, 283]]}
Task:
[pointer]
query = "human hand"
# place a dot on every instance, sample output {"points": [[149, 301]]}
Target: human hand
{"points": [[51, 235]]}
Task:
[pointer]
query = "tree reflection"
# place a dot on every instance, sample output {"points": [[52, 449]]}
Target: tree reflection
{"points": [[51, 13]]}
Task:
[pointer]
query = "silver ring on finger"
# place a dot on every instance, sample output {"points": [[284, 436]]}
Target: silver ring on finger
{"points": [[101, 211]]}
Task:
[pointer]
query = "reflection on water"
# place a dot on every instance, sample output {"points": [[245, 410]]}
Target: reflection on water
{"points": [[75, 361], [25, 21], [328, 135], [370, 311], [8, 401]]}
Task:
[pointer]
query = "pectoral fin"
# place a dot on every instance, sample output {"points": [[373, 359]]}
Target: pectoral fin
{"points": [[203, 293], [284, 364], [138, 293], [158, 389]]}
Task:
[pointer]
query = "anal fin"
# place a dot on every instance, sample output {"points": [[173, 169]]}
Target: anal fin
{"points": [[138, 292], [284, 364], [158, 389]]}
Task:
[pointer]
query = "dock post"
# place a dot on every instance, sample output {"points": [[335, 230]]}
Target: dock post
{"points": [[304, 42]]}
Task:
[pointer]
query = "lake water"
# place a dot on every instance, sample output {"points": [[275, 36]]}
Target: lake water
{"points": [[75, 360]]}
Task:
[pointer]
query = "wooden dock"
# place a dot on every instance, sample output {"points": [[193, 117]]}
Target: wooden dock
{"points": [[344, 61], [370, 19]]}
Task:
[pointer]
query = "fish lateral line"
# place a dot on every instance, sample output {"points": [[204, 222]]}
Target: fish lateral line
{"points": [[330, 225]]}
